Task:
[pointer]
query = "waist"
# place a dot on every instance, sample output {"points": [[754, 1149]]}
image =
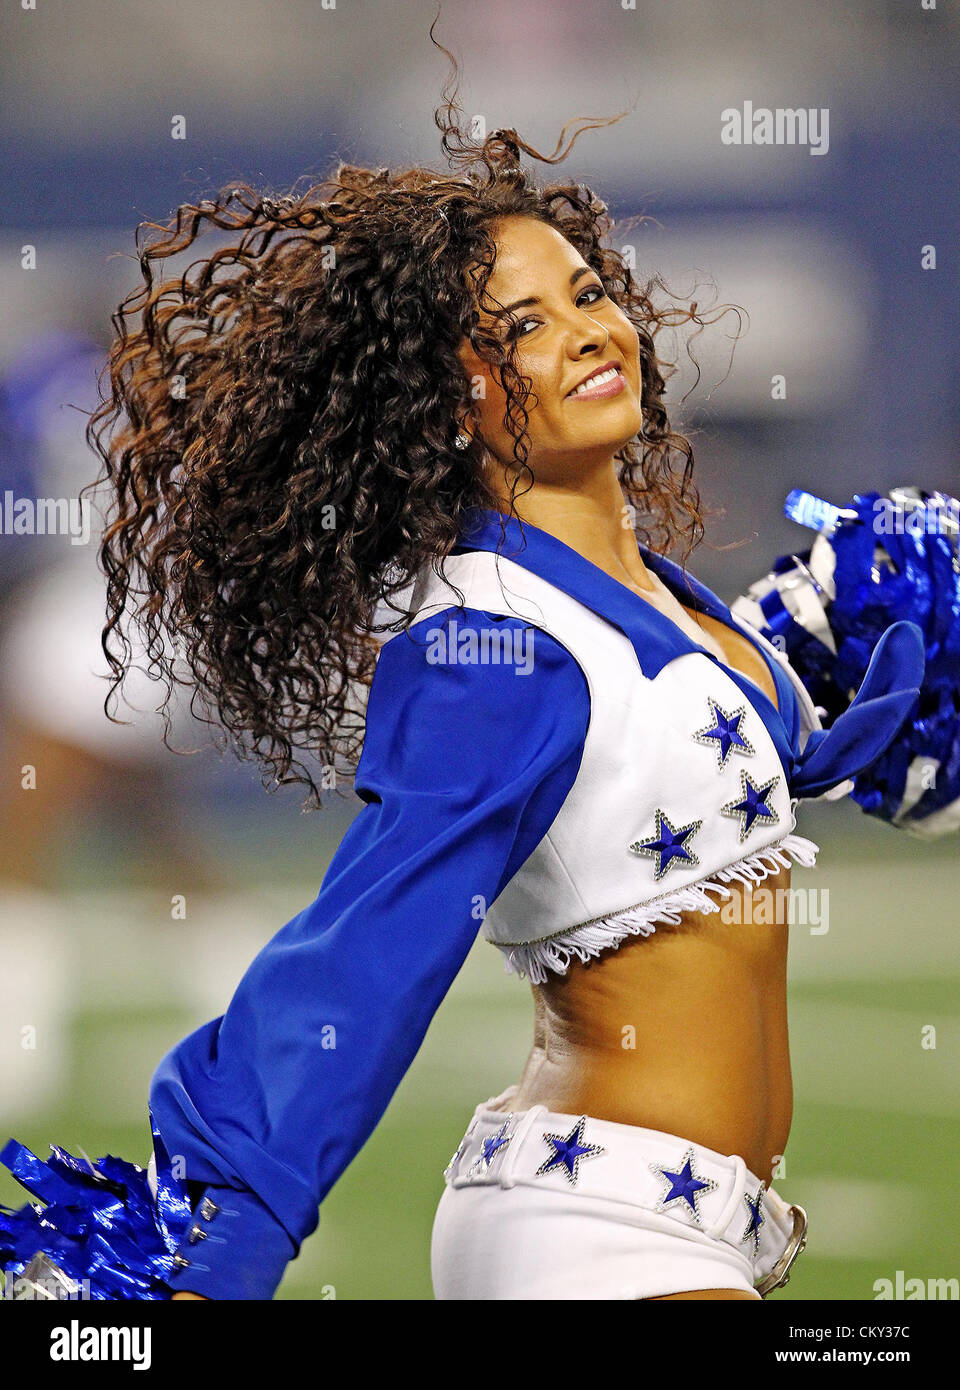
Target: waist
{"points": [[736, 1116], [684, 1031]]}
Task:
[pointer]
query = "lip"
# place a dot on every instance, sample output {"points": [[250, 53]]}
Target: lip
{"points": [[594, 393]]}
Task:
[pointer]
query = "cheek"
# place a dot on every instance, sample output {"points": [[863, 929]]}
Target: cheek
{"points": [[494, 403], [626, 335], [543, 403], [545, 377], [485, 396]]}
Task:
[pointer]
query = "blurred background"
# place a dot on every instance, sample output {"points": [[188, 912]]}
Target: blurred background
{"points": [[826, 254]]}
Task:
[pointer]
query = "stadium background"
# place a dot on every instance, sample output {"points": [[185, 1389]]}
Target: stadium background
{"points": [[825, 254]]}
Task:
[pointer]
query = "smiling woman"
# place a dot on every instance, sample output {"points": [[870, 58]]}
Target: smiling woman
{"points": [[447, 389]]}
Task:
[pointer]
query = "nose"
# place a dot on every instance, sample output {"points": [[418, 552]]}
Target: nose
{"points": [[585, 336]]}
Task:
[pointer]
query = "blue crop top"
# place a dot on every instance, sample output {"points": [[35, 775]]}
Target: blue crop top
{"points": [[464, 768]]}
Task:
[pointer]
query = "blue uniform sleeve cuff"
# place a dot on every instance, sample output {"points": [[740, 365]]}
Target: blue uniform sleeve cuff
{"points": [[234, 1248]]}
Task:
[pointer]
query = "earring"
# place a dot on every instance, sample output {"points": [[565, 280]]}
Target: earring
{"points": [[462, 441]]}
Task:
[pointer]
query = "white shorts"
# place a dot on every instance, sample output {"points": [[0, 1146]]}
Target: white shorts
{"points": [[539, 1205]]}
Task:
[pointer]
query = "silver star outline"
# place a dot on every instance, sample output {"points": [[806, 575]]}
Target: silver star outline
{"points": [[664, 1202], [700, 734], [688, 858], [554, 1162], [754, 1204], [731, 809], [497, 1141]]}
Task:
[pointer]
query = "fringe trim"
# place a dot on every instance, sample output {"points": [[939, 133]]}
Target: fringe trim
{"points": [[536, 958]]}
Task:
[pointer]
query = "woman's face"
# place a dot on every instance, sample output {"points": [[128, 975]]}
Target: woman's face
{"points": [[567, 331]]}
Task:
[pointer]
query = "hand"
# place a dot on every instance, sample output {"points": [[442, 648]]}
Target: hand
{"points": [[202, 1297]]}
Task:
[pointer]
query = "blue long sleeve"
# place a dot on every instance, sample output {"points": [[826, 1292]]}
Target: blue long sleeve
{"points": [[464, 768]]}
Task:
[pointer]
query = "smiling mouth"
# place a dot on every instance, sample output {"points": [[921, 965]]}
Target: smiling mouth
{"points": [[605, 381]]}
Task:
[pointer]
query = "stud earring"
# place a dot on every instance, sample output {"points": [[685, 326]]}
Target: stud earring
{"points": [[462, 441]]}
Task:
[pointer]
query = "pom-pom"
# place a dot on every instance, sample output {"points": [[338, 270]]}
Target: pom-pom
{"points": [[880, 560], [102, 1233]]}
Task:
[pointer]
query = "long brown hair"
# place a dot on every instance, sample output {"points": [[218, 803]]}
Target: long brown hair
{"points": [[278, 434]]}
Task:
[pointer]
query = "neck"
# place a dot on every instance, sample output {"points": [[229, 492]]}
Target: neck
{"points": [[592, 518]]}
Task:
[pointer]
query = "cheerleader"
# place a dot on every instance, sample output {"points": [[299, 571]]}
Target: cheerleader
{"points": [[375, 468]]}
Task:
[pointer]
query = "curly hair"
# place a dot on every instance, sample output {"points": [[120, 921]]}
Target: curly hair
{"points": [[278, 434]]}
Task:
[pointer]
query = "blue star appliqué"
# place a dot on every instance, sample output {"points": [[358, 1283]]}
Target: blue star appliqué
{"points": [[492, 1146], [568, 1150], [683, 1185], [724, 734], [669, 845], [752, 806], [757, 1218]]}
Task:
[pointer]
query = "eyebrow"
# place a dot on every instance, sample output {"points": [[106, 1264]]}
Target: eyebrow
{"points": [[522, 303]]}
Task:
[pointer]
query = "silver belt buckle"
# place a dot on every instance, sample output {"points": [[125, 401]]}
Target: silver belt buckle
{"points": [[780, 1274]]}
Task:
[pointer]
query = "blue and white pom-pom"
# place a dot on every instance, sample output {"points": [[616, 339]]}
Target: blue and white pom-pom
{"points": [[881, 559], [102, 1234]]}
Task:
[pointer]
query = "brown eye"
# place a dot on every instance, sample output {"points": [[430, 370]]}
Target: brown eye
{"points": [[598, 290], [517, 332]]}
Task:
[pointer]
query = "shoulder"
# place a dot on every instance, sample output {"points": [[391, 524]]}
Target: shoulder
{"points": [[465, 680], [481, 653]]}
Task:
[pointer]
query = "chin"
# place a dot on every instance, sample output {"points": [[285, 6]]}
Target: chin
{"points": [[609, 439]]}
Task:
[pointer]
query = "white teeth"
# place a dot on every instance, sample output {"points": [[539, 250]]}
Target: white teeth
{"points": [[597, 380]]}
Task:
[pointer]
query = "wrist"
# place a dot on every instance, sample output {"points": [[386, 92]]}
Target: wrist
{"points": [[234, 1248]]}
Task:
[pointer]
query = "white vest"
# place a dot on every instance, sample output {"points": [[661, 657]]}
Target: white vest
{"points": [[583, 889]]}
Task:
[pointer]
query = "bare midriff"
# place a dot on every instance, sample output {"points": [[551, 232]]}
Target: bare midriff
{"points": [[685, 1030]]}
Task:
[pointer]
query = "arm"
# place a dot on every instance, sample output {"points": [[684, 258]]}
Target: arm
{"points": [[464, 767]]}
